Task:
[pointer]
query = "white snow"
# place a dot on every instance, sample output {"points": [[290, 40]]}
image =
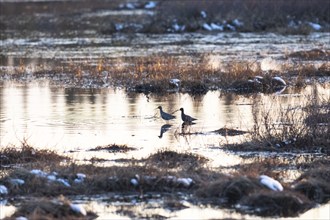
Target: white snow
{"points": [[216, 27], [203, 14], [51, 177], [277, 78], [315, 26], [207, 27], [230, 27], [81, 175], [292, 24], [185, 181], [21, 218], [130, 5], [17, 181], [78, 209], [3, 190], [175, 82], [80, 178], [39, 173], [134, 182], [119, 27], [64, 182], [270, 183], [178, 27], [150, 5], [237, 23], [170, 177]]}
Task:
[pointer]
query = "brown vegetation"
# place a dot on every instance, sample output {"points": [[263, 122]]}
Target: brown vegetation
{"points": [[303, 127], [113, 148], [167, 171], [315, 54], [257, 15], [288, 17], [12, 155], [153, 75], [43, 208]]}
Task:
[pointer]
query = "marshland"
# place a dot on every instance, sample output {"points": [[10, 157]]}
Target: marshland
{"points": [[81, 135]]}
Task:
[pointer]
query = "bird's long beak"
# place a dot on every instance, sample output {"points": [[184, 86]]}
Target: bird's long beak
{"points": [[175, 111]]}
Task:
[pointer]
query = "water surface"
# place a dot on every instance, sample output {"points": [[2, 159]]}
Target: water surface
{"points": [[69, 119]]}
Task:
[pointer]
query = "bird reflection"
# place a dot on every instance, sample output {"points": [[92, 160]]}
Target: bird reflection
{"points": [[163, 129], [185, 127]]}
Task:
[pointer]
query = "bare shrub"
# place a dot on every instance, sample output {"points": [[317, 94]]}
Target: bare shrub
{"points": [[305, 126]]}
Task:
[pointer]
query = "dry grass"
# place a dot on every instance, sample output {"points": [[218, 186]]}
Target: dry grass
{"points": [[247, 195], [314, 184], [152, 74], [48, 209], [12, 155], [113, 148], [275, 204], [315, 54], [172, 159], [168, 171], [303, 127], [257, 15]]}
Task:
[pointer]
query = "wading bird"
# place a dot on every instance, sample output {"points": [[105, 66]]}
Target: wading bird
{"points": [[186, 118], [164, 115]]}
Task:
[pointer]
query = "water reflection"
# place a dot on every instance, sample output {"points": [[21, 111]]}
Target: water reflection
{"points": [[79, 119], [163, 129]]}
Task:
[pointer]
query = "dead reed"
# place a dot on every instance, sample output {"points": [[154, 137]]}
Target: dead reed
{"points": [[167, 172], [25, 153], [304, 127]]}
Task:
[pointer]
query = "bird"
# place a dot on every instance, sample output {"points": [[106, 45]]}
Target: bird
{"points": [[186, 118], [164, 115]]}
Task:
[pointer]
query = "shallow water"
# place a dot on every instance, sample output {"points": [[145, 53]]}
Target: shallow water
{"points": [[76, 120], [268, 50], [111, 207], [72, 121]]}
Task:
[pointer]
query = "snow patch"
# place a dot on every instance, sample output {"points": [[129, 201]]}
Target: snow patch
{"points": [[271, 183]]}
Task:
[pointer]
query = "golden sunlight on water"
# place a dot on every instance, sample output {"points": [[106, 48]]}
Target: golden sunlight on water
{"points": [[78, 120]]}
